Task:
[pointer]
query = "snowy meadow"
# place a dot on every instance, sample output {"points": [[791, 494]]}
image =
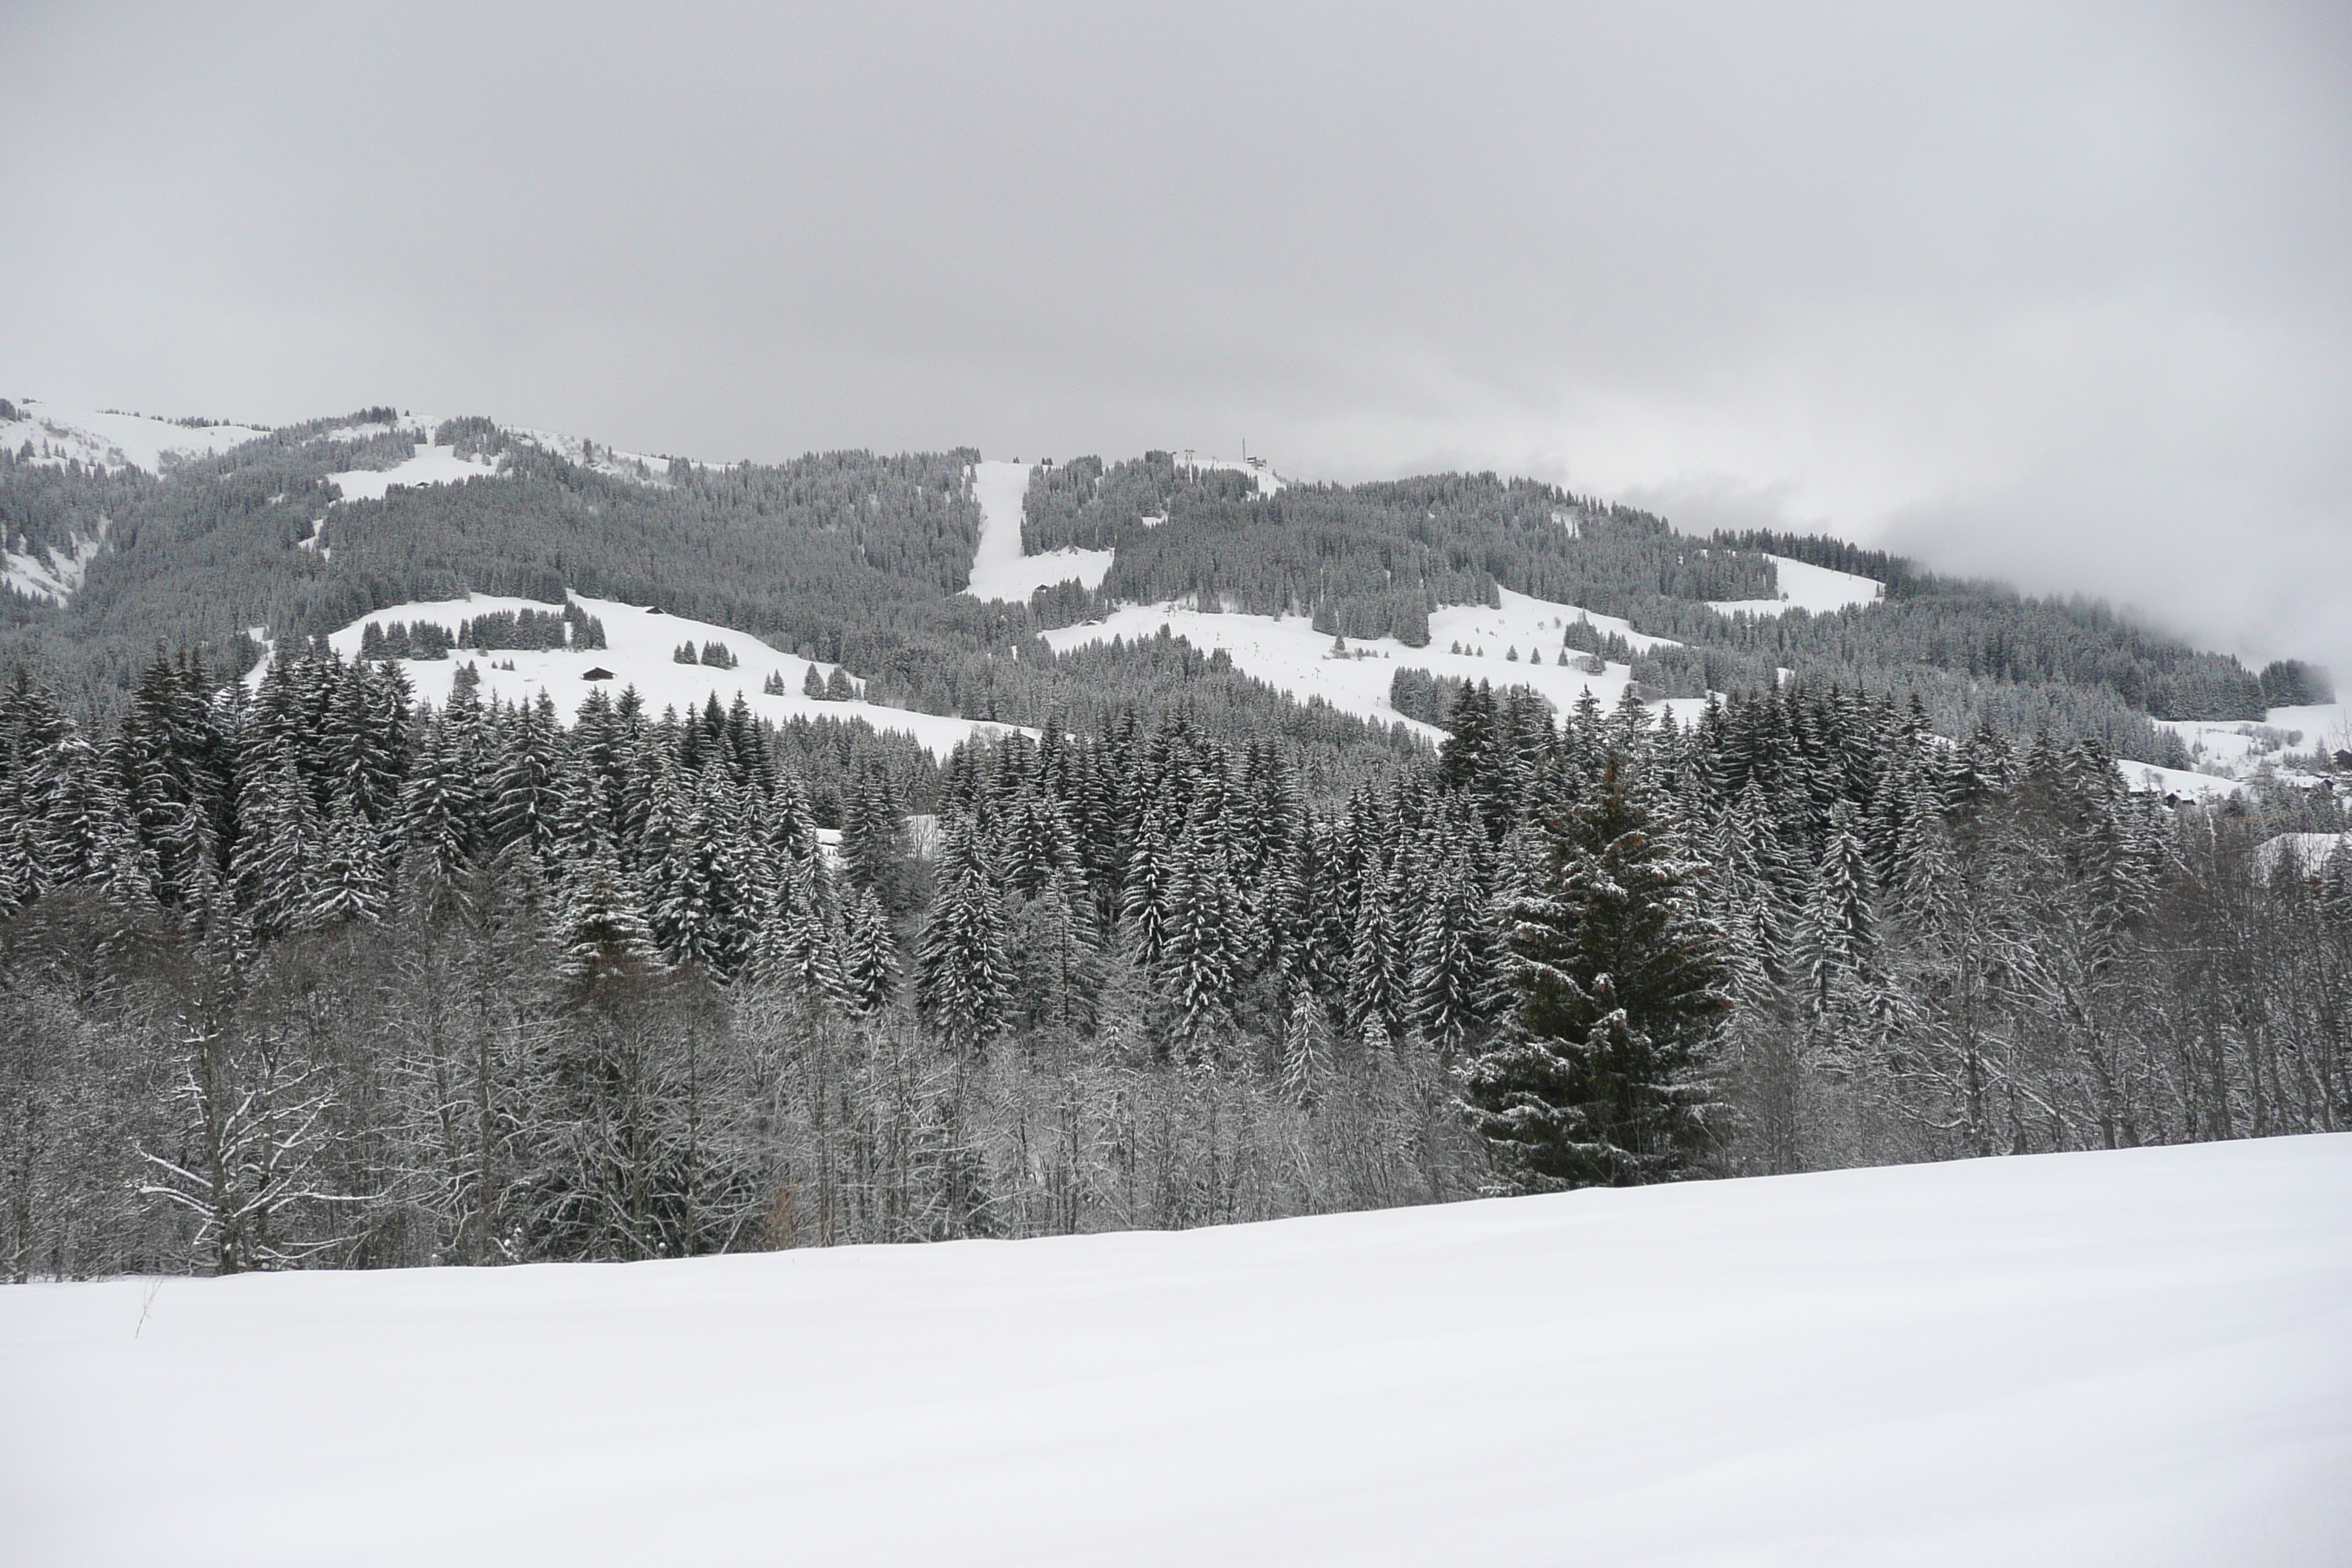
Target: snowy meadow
{"points": [[2133, 1357]]}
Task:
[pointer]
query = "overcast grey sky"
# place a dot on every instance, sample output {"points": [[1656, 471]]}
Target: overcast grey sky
{"points": [[2062, 294]]}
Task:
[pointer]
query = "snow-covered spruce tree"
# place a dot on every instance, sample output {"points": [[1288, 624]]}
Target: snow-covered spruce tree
{"points": [[276, 867], [1305, 1050], [526, 796], [440, 811], [1451, 970], [869, 964], [963, 969], [1615, 982], [603, 931], [350, 883], [1198, 968], [795, 947], [874, 840]]}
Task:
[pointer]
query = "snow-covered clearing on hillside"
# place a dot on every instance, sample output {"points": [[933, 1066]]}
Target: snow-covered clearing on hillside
{"points": [[1805, 586], [2147, 778], [428, 466], [112, 440], [999, 569], [51, 573], [2128, 1358], [2244, 749], [643, 642], [644, 468], [2328, 724], [1288, 654]]}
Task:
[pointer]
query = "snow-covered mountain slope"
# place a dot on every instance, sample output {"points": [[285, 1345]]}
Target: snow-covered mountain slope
{"points": [[642, 467], [999, 569], [1805, 586], [59, 434], [1288, 654], [51, 573], [2128, 1358], [640, 653]]}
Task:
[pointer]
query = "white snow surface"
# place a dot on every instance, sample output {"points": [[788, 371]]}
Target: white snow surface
{"points": [[428, 466], [999, 569], [642, 643], [1805, 586], [112, 440], [2127, 1358], [1287, 653]]}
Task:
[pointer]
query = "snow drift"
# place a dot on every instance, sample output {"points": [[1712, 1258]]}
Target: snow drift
{"points": [[2121, 1358]]}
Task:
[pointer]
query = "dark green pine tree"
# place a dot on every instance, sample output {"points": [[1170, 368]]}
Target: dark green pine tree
{"points": [[1615, 986], [963, 968]]}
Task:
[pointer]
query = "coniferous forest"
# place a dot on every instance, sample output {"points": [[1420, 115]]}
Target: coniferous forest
{"points": [[295, 971]]}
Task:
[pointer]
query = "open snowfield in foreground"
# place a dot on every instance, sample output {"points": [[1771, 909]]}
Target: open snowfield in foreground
{"points": [[2140, 1358]]}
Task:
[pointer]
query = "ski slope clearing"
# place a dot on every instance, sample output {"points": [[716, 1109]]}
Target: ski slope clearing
{"points": [[642, 644], [1805, 586], [430, 466], [999, 569], [1287, 653], [2128, 1358], [60, 435]]}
